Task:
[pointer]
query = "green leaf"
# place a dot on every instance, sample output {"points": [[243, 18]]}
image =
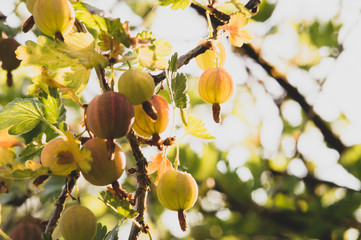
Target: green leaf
{"points": [[195, 127], [90, 16], [121, 207], [179, 87], [101, 232], [28, 173], [176, 4], [22, 115], [54, 109], [32, 148], [147, 35], [172, 63], [116, 30], [113, 234], [61, 63], [45, 236], [81, 46], [324, 34]]}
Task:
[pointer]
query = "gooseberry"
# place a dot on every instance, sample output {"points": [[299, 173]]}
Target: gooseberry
{"points": [[58, 157], [146, 126], [215, 86], [177, 191], [137, 85], [8, 57], [109, 115], [103, 170], [28, 228], [30, 5], [53, 17], [78, 222], [214, 57]]}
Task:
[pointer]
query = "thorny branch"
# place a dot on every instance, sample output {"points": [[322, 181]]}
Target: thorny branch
{"points": [[143, 183], [184, 59], [60, 203]]}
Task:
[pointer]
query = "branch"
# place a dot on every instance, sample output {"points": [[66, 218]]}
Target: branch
{"points": [[60, 203], [103, 80], [143, 183], [184, 59], [2, 17], [330, 138]]}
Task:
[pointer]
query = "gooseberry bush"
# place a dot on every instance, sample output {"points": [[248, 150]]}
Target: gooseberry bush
{"points": [[141, 93]]}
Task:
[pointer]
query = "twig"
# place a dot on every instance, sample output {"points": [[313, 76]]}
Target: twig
{"points": [[60, 203], [143, 183], [122, 194], [2, 17], [103, 80], [330, 138], [184, 59]]}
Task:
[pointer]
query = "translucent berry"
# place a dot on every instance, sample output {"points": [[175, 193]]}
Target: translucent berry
{"points": [[103, 170], [53, 17], [215, 86], [78, 222], [146, 126], [109, 115], [137, 85]]}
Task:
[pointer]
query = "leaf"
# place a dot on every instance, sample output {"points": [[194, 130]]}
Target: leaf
{"points": [[62, 66], [20, 171], [81, 46], [117, 31], [33, 147], [90, 16], [176, 4], [323, 34], [149, 56], [54, 109], [172, 63], [101, 232], [6, 156], [237, 36], [146, 35], [121, 207], [45, 236], [179, 87], [22, 115], [160, 164], [195, 127], [7, 140], [162, 48], [113, 234]]}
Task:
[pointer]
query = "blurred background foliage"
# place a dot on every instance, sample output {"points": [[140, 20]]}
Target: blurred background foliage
{"points": [[269, 174]]}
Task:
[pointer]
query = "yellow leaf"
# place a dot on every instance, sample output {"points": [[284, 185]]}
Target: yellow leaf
{"points": [[7, 140], [237, 36], [31, 164], [162, 48], [81, 156], [160, 164], [161, 63], [6, 156], [195, 126]]}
